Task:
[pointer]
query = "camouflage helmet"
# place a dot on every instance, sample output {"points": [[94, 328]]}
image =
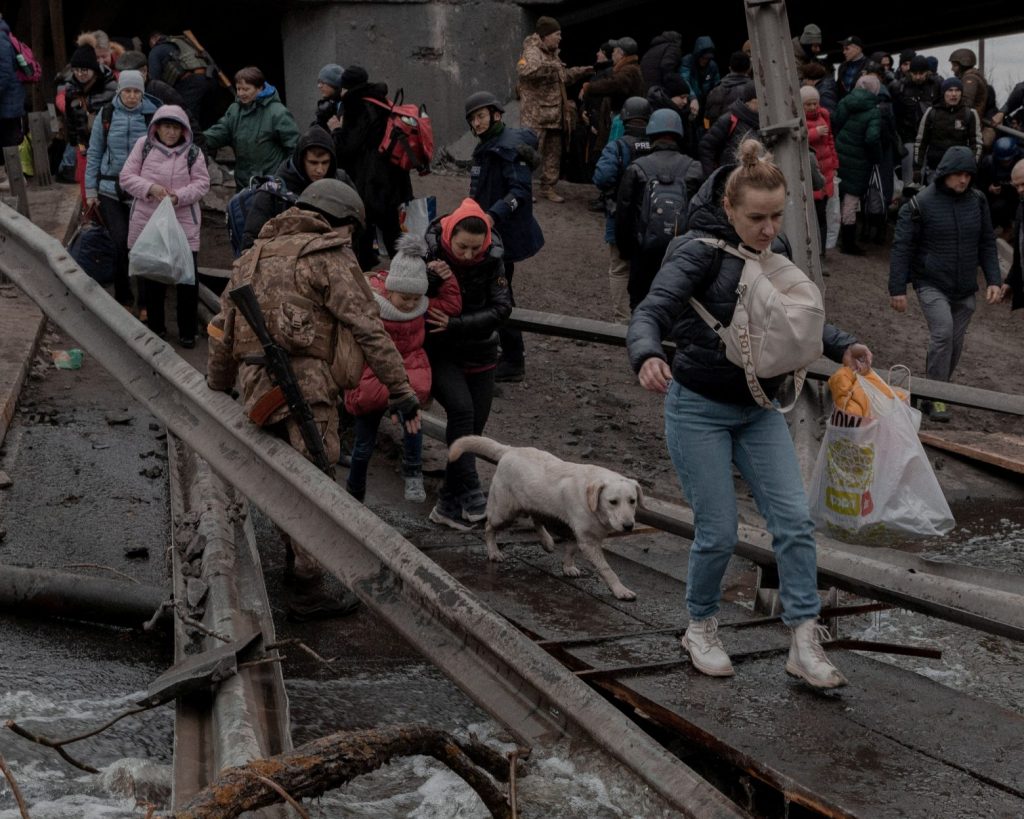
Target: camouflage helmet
{"points": [[335, 199], [482, 99], [636, 108], [964, 57]]}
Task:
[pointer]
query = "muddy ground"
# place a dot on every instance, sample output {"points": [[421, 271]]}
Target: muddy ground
{"points": [[581, 400]]}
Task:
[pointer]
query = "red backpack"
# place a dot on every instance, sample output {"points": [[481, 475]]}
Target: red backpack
{"points": [[409, 137], [27, 67]]}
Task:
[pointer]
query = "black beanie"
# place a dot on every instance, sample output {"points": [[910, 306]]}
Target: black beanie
{"points": [[546, 26], [919, 64], [675, 86], [85, 57], [354, 76]]}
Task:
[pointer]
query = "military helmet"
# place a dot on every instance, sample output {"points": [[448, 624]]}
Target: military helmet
{"points": [[482, 99], [335, 199], [665, 121], [964, 57], [1005, 149], [636, 108]]}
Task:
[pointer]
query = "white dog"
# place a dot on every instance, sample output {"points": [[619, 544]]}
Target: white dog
{"points": [[593, 501]]}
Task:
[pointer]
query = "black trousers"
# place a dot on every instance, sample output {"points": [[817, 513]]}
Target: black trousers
{"points": [[512, 348], [390, 229], [466, 398], [187, 296], [115, 215]]}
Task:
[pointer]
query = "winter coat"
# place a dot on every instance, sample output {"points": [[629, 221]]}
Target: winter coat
{"points": [[719, 145], [262, 134], [316, 263], [664, 158], [858, 134], [692, 131], [381, 185], [610, 168], [824, 148], [662, 58], [910, 100], [79, 104], [408, 334], [847, 74], [625, 80], [12, 91], [542, 81], [471, 339], [167, 167], [975, 91], [326, 109], [109, 149], [944, 126], [891, 147], [724, 94], [265, 205], [698, 270], [1015, 278], [943, 237], [700, 80], [1013, 108], [500, 181], [828, 94]]}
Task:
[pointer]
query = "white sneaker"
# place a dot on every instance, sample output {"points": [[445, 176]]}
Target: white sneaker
{"points": [[414, 490], [807, 658], [706, 651]]}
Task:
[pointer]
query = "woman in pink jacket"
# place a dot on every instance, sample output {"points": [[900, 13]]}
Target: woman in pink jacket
{"points": [[164, 163]]}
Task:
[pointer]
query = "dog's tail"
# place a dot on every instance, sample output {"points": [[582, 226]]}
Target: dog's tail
{"points": [[478, 445]]}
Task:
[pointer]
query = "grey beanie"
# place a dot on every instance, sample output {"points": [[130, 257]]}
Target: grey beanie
{"points": [[408, 271], [331, 75], [811, 35], [131, 79]]}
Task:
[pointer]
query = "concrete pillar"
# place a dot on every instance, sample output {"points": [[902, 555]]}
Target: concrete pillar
{"points": [[438, 52]]}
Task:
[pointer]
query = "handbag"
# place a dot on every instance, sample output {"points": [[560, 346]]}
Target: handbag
{"points": [[92, 248], [875, 478]]}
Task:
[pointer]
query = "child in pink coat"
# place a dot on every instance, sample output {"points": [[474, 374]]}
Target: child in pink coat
{"points": [[401, 297], [164, 163]]}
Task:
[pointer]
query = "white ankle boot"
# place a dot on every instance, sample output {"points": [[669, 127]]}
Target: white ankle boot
{"points": [[807, 658], [706, 651]]}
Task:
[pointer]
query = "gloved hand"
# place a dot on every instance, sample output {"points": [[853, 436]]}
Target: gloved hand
{"points": [[405, 411]]}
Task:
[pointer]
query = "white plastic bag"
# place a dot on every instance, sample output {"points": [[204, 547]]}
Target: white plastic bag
{"points": [[161, 252], [416, 215], [876, 477]]}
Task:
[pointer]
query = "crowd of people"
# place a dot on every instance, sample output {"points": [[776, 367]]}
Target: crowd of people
{"points": [[688, 190]]}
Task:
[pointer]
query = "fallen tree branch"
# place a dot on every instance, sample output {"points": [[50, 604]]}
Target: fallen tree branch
{"points": [[326, 763], [295, 641], [14, 788]]}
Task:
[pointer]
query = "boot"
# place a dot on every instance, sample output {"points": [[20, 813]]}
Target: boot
{"points": [[706, 651], [807, 658], [848, 241], [878, 229]]}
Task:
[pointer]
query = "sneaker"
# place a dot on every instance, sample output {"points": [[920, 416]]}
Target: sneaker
{"points": [[414, 490], [938, 411], [706, 651], [807, 658], [448, 512], [510, 372], [474, 505]]}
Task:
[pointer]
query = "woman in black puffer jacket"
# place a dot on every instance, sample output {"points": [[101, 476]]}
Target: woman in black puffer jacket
{"points": [[712, 422], [463, 349]]}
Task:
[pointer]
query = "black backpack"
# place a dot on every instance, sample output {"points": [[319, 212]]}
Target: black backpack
{"points": [[662, 214]]}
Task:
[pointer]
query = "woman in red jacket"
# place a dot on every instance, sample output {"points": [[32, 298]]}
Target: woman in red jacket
{"points": [[401, 297], [819, 135]]}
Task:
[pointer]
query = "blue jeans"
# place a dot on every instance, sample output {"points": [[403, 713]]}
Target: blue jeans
{"points": [[366, 427], [705, 438]]}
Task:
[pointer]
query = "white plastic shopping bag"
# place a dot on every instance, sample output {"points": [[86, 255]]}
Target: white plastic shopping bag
{"points": [[161, 252], [416, 215], [876, 477]]}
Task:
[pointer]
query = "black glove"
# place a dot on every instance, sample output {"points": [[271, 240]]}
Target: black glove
{"points": [[405, 408]]}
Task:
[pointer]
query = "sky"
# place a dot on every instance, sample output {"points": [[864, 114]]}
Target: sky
{"points": [[1004, 61]]}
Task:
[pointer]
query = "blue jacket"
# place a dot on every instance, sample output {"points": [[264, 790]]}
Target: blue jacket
{"points": [[700, 80], [693, 268], [108, 151], [611, 166], [12, 92], [501, 183], [943, 237]]}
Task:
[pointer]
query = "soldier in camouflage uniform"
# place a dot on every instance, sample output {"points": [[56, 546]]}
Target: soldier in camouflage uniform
{"points": [[544, 106], [319, 307]]}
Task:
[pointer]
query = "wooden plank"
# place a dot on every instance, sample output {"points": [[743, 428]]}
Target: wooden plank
{"points": [[39, 130], [995, 448], [19, 187]]}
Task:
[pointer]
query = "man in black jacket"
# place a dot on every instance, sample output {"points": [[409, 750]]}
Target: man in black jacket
{"points": [[942, 236], [912, 95]]}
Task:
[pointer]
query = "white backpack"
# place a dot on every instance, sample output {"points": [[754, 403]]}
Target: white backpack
{"points": [[777, 325]]}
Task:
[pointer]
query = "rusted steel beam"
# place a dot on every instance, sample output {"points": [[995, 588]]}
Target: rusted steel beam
{"points": [[53, 593]]}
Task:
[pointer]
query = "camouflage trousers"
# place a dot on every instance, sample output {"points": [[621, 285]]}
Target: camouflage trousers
{"points": [[550, 149]]}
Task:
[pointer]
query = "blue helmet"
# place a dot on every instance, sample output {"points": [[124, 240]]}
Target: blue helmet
{"points": [[665, 121], [1005, 149]]}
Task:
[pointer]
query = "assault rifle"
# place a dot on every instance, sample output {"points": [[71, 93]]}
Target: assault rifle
{"points": [[279, 367]]}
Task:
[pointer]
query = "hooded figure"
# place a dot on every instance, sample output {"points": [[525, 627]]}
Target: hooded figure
{"points": [[700, 70], [294, 172]]}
